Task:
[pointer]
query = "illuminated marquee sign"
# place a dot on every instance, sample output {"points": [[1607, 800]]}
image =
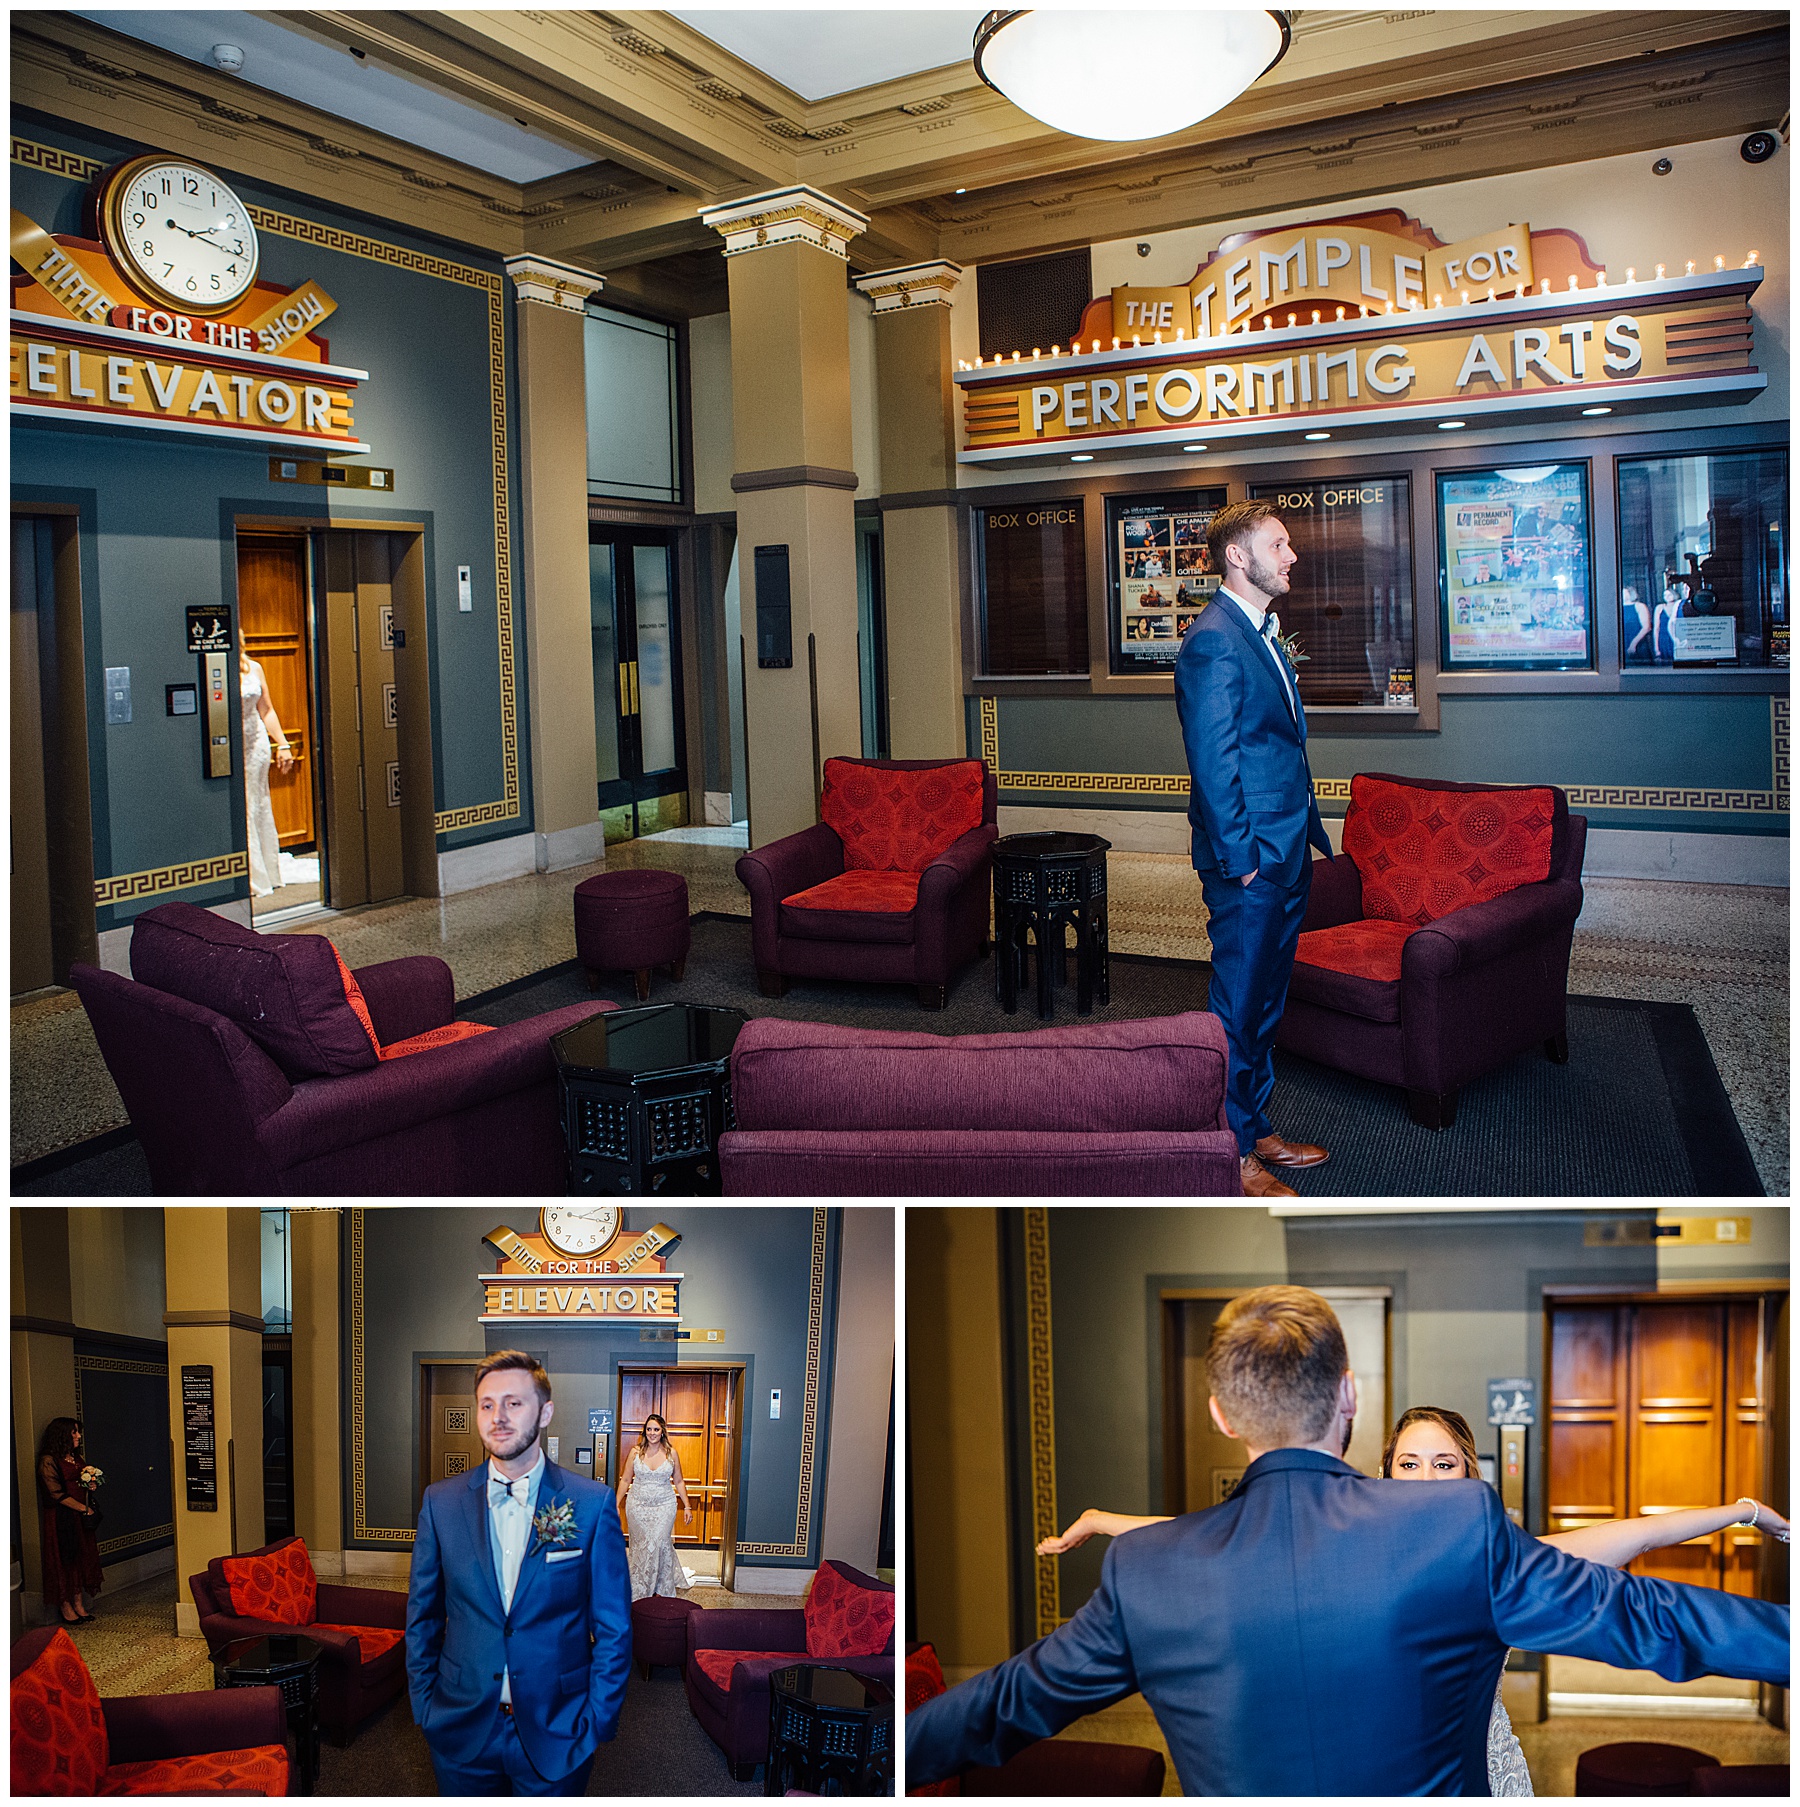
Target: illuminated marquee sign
{"points": [[93, 338], [1345, 324], [582, 1267]]}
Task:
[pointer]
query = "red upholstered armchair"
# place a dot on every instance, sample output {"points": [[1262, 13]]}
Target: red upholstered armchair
{"points": [[274, 1590], [1439, 948], [847, 1623], [66, 1740], [891, 884]]}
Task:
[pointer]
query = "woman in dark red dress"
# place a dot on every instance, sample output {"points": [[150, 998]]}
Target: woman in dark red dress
{"points": [[71, 1551]]}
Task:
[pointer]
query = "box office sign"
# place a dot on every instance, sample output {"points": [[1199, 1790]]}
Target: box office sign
{"points": [[1307, 328], [581, 1266]]}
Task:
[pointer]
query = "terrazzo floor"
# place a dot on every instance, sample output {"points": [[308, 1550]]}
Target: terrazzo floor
{"points": [[1721, 948]]}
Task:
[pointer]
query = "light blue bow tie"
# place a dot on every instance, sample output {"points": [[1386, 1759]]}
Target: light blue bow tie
{"points": [[503, 1490], [1271, 626]]}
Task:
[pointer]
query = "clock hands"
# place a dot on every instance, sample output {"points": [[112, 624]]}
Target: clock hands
{"points": [[202, 234]]}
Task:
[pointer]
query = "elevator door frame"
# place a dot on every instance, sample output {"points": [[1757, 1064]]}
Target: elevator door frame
{"points": [[738, 1444], [412, 678]]}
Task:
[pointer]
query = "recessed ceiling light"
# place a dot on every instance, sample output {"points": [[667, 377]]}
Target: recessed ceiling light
{"points": [[962, 191], [1081, 457], [1193, 448], [1596, 410], [1446, 426], [1318, 436]]}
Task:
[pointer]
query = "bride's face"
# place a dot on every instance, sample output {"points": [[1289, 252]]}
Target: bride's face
{"points": [[1427, 1452]]}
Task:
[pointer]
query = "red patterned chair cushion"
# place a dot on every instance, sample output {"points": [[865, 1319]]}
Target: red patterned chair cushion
{"points": [[860, 889], [263, 1769], [843, 1619], [440, 1037], [1365, 950], [899, 821], [354, 998], [717, 1665], [1424, 853], [372, 1640], [58, 1730], [278, 1587], [924, 1677]]}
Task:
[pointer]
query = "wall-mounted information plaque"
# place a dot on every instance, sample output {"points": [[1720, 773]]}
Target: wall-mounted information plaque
{"points": [[198, 1439]]}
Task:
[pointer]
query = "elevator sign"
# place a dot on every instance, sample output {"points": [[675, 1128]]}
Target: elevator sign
{"points": [[582, 1266], [1512, 1402]]}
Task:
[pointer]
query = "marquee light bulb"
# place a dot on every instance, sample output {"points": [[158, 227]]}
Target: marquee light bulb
{"points": [[1465, 297], [1135, 341], [1315, 316], [1159, 336], [1437, 301], [1490, 297], [1096, 345], [1599, 279], [1340, 313], [1630, 273], [1574, 284], [1544, 286], [1690, 266], [1293, 319], [1659, 271], [1015, 357], [1750, 260], [1718, 263], [1035, 354], [1115, 341], [1055, 351]]}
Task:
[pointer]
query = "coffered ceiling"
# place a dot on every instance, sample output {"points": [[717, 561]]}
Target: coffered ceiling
{"points": [[658, 119]]}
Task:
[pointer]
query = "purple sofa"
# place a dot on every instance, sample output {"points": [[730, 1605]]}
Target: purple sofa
{"points": [[243, 1075], [924, 947], [1079, 1110], [1476, 987]]}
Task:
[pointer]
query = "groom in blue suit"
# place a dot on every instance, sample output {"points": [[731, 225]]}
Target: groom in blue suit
{"points": [[1253, 817], [1321, 1632], [518, 1615]]}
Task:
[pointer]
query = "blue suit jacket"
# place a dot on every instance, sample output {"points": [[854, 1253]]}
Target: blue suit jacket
{"points": [[1324, 1633], [567, 1640], [1252, 806]]}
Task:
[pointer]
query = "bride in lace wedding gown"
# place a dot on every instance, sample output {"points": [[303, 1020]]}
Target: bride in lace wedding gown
{"points": [[649, 1486], [1432, 1443]]}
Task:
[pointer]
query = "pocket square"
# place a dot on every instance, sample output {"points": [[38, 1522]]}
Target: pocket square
{"points": [[563, 1555]]}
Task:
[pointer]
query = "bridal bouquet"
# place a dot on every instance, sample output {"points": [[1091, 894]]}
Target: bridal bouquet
{"points": [[92, 1476]]}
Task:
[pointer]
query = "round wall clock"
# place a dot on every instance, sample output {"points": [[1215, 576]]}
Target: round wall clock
{"points": [[579, 1229], [180, 233]]}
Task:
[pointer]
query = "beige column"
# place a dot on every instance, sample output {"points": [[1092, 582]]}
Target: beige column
{"points": [[790, 408], [317, 1429], [553, 539], [43, 1369], [921, 566], [213, 1258]]}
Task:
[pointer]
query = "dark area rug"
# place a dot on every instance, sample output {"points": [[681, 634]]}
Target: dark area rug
{"points": [[660, 1750], [1639, 1111]]}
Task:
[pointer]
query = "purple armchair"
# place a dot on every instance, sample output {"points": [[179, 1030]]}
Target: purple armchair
{"points": [[230, 1741], [230, 1082], [1080, 1110], [358, 1675], [924, 945], [1432, 1006], [732, 1653]]}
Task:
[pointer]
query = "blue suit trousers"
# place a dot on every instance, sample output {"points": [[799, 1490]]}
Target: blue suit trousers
{"points": [[1254, 930], [504, 1768]]}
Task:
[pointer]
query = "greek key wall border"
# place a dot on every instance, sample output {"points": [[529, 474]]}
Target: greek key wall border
{"points": [[122, 887], [809, 1423], [44, 157], [109, 1364], [360, 1528], [1709, 800], [1042, 1403], [112, 1546]]}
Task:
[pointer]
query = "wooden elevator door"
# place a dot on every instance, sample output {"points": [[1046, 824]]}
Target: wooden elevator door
{"points": [[273, 618], [1655, 1408], [695, 1403], [364, 859], [451, 1445]]}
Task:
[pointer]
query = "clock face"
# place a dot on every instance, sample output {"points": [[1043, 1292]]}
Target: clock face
{"points": [[181, 233], [580, 1229]]}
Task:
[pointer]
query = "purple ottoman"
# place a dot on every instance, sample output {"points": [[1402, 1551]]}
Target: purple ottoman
{"points": [[630, 922], [1639, 1769], [659, 1632]]}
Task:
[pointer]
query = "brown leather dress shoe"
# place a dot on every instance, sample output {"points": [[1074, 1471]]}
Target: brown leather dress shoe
{"points": [[1278, 1153], [1259, 1182]]}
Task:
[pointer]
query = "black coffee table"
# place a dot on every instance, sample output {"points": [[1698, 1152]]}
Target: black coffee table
{"points": [[292, 1665], [1043, 882], [646, 1095], [829, 1732]]}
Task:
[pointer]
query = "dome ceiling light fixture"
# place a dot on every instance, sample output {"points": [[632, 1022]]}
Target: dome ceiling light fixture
{"points": [[1130, 74]]}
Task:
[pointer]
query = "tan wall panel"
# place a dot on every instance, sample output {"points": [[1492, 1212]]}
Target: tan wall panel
{"points": [[918, 409], [862, 1373], [316, 1432], [709, 390], [790, 359], [921, 570], [116, 1269]]}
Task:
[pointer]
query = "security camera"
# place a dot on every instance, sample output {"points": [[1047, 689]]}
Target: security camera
{"points": [[1759, 147], [1143, 247], [228, 57]]}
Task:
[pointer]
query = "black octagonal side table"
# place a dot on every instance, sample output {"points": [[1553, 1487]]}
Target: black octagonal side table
{"points": [[292, 1665], [1041, 883], [830, 1732]]}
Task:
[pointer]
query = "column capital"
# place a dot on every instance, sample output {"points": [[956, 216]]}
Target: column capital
{"points": [[786, 216], [553, 284], [910, 285]]}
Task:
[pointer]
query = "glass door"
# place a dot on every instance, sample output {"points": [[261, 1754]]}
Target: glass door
{"points": [[639, 748]]}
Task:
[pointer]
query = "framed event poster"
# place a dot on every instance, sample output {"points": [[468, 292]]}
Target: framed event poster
{"points": [[1158, 572], [1514, 569]]}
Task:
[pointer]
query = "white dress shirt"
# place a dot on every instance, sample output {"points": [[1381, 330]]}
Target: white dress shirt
{"points": [[509, 1521], [1255, 617]]}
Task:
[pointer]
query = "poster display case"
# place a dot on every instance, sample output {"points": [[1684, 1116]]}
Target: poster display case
{"points": [[1703, 560], [1031, 578], [1158, 572], [1514, 564], [1350, 595]]}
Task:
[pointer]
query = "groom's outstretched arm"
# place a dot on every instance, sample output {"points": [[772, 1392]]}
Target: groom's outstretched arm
{"points": [[1077, 1670], [1544, 1599]]}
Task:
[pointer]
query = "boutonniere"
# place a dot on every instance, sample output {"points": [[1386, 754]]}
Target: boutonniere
{"points": [[554, 1525], [1289, 643]]}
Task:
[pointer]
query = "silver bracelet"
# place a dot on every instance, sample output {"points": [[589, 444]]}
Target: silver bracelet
{"points": [[1755, 1508]]}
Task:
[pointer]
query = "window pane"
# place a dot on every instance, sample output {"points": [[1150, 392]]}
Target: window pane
{"points": [[1033, 589], [632, 445], [1513, 569], [1159, 573], [655, 654], [1350, 600], [1702, 555], [606, 662]]}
